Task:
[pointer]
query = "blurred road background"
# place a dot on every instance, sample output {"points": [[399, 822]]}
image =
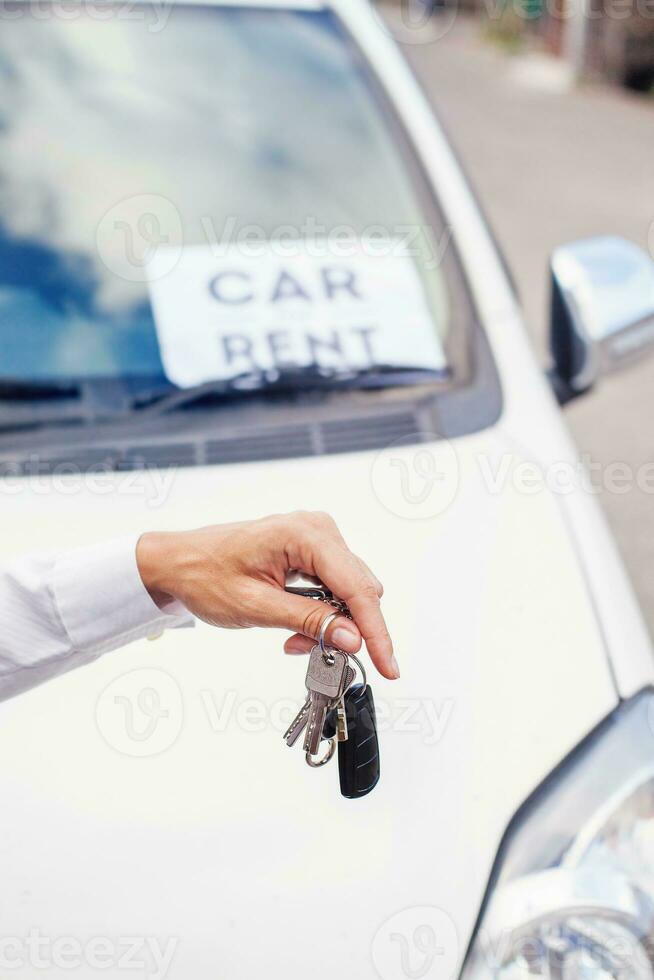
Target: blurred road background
{"points": [[552, 162]]}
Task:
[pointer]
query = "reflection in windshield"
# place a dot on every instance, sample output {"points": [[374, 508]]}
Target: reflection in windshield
{"points": [[222, 119]]}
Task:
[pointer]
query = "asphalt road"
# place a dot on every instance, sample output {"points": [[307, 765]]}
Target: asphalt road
{"points": [[553, 163]]}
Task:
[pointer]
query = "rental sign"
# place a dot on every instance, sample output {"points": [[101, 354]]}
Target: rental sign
{"points": [[220, 316]]}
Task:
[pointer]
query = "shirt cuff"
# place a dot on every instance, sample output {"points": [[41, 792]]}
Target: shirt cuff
{"points": [[102, 601]]}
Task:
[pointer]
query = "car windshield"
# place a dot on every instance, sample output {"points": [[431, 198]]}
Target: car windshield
{"points": [[128, 134]]}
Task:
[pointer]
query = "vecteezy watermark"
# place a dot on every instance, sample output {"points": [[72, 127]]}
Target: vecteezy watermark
{"points": [[37, 476], [133, 231], [589, 951], [416, 482], [420, 481], [138, 228], [424, 717], [154, 14], [563, 477], [143, 956], [602, 10], [417, 21], [417, 942], [141, 713], [318, 240]]}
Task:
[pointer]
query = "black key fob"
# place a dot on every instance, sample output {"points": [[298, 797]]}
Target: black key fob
{"points": [[329, 728], [358, 756]]}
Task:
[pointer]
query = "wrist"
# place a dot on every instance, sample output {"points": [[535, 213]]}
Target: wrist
{"points": [[154, 560]]}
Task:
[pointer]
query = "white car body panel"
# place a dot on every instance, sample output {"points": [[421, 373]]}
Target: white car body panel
{"points": [[515, 628], [529, 413], [214, 840]]}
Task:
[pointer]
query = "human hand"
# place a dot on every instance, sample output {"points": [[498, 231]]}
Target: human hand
{"points": [[233, 575]]}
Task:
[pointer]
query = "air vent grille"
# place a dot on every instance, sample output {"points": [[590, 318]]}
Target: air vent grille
{"points": [[289, 442], [277, 444], [160, 455], [370, 433], [80, 460]]}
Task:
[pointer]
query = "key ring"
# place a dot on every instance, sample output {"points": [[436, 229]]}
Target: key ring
{"points": [[323, 630], [360, 666], [325, 758], [327, 656]]}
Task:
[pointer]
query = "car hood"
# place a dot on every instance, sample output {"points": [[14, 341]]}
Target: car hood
{"points": [[150, 794]]}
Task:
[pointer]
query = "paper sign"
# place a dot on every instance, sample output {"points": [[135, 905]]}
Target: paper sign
{"points": [[222, 312]]}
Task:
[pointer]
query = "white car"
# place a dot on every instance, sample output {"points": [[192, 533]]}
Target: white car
{"points": [[209, 216]]}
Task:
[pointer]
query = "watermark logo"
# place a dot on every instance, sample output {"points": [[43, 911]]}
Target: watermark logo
{"points": [[416, 482], [154, 14], [141, 713], [417, 21], [416, 943], [423, 718], [141, 956], [135, 231], [40, 476]]}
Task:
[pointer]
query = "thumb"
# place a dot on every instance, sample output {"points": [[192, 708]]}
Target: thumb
{"points": [[306, 616]]}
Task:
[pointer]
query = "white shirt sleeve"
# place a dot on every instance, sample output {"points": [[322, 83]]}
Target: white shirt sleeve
{"points": [[60, 611]]}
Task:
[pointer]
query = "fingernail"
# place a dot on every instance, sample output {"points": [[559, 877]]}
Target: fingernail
{"points": [[395, 667], [344, 638]]}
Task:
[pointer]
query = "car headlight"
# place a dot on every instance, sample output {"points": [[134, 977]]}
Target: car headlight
{"points": [[572, 893]]}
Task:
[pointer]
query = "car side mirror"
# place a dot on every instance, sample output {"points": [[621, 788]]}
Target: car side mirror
{"points": [[602, 311]]}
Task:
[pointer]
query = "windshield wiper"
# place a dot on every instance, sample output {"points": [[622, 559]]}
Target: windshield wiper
{"points": [[30, 404], [20, 389], [309, 378], [400, 375], [27, 404]]}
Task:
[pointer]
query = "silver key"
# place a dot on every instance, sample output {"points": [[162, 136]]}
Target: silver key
{"points": [[320, 705], [326, 676], [298, 724], [341, 716], [341, 722]]}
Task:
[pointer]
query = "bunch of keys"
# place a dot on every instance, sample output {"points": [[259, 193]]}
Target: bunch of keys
{"points": [[336, 710]]}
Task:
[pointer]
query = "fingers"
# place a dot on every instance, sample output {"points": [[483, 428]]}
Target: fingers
{"points": [[305, 617], [368, 616], [323, 552], [313, 543], [299, 644], [368, 570], [340, 633]]}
